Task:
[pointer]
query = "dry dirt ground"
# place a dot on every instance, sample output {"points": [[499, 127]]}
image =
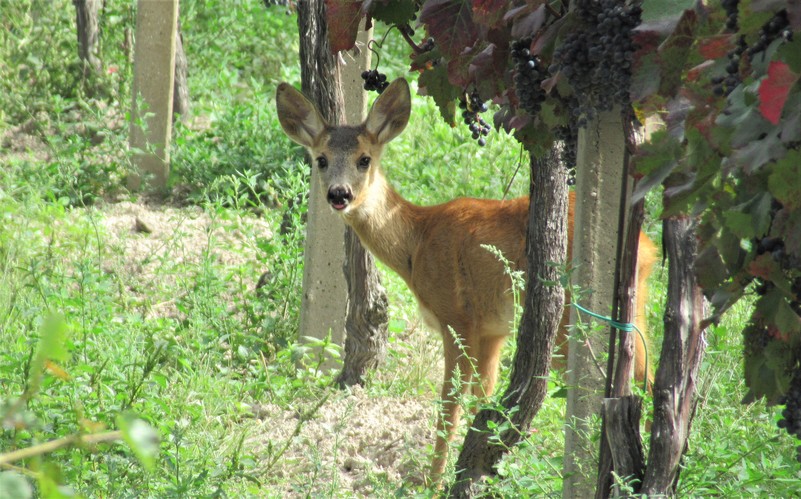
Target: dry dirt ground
{"points": [[343, 447]]}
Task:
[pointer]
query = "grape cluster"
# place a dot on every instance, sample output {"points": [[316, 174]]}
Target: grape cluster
{"points": [[723, 85], [730, 6], [778, 26], [529, 74], [791, 415], [471, 108], [373, 80], [597, 60]]}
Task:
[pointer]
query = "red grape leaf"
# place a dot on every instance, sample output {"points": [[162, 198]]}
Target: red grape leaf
{"points": [[342, 17], [489, 12], [774, 89], [717, 46], [525, 20], [450, 23]]}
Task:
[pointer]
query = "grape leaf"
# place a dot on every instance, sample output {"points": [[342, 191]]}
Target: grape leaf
{"points": [[674, 51], [451, 24], [752, 15], [434, 83], [716, 46], [646, 77], [655, 159], [391, 11], [774, 89], [525, 22], [489, 13], [486, 69], [785, 180], [343, 17], [790, 52], [659, 10], [710, 269]]}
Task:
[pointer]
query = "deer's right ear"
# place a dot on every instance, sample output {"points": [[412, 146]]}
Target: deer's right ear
{"points": [[299, 118]]}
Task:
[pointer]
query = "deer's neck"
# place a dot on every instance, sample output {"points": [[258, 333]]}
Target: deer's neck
{"points": [[387, 225]]}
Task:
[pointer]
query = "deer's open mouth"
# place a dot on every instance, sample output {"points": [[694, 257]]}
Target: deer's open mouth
{"points": [[339, 205]]}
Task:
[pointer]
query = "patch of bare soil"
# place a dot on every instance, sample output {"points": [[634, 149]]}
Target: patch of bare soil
{"points": [[153, 243], [349, 447]]}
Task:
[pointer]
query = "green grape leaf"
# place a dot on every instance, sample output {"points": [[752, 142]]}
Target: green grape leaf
{"points": [[393, 11], [790, 52], [785, 180], [434, 83], [655, 159], [674, 51]]}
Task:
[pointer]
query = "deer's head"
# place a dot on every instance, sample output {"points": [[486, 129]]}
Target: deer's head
{"points": [[348, 157]]}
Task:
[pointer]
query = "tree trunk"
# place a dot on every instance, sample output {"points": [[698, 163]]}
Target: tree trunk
{"points": [[601, 178], [682, 353], [324, 305], [180, 94], [547, 242], [86, 21], [622, 432], [366, 324]]}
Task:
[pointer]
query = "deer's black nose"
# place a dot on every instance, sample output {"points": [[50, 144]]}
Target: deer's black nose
{"points": [[339, 196]]}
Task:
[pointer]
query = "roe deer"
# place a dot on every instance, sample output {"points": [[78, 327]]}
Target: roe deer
{"points": [[436, 249]]}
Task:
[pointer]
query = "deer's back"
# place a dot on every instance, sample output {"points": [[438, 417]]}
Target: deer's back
{"points": [[454, 278]]}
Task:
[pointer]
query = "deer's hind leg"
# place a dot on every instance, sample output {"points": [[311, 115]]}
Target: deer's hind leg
{"points": [[457, 358], [489, 356]]}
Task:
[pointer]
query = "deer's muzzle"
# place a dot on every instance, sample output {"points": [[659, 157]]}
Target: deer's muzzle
{"points": [[339, 196]]}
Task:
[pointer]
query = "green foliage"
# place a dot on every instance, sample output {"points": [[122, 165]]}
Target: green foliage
{"points": [[733, 160]]}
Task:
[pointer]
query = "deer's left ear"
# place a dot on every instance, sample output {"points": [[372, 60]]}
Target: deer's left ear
{"points": [[298, 116], [390, 112]]}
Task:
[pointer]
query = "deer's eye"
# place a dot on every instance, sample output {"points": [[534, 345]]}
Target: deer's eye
{"points": [[364, 162], [322, 163]]}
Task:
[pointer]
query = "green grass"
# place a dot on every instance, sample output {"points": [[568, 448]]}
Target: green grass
{"points": [[168, 326]]}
